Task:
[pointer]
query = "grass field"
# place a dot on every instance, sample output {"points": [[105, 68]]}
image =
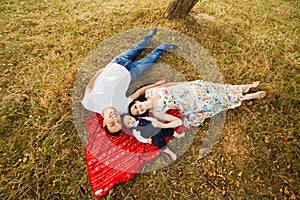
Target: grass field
{"points": [[43, 44]]}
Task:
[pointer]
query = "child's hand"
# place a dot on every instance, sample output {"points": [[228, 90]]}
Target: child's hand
{"points": [[149, 140]]}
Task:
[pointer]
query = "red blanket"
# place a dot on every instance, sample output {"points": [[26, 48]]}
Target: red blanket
{"points": [[114, 159]]}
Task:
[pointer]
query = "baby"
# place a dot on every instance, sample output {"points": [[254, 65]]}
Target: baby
{"points": [[144, 131]]}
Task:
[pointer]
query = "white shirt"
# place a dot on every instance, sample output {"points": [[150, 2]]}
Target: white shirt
{"points": [[109, 90]]}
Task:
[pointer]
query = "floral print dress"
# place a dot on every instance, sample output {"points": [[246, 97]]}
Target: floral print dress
{"points": [[197, 100]]}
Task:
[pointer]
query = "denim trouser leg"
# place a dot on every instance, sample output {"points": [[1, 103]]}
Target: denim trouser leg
{"points": [[128, 56], [140, 66]]}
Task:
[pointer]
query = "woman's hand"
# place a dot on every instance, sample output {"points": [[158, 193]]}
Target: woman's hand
{"points": [[157, 124], [160, 81], [142, 90], [171, 121]]}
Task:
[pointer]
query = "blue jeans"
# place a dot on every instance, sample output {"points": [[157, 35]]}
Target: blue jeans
{"points": [[137, 68]]}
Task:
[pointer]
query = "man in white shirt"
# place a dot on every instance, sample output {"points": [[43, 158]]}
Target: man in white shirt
{"points": [[106, 91]]}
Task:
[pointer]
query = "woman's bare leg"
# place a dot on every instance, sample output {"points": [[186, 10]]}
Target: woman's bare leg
{"points": [[256, 95], [246, 88]]}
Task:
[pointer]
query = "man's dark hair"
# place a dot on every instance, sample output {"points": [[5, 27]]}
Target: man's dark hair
{"points": [[110, 133]]}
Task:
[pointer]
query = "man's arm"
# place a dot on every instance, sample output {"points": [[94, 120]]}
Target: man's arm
{"points": [[142, 90], [91, 83]]}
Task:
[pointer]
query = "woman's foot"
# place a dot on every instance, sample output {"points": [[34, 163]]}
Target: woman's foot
{"points": [[255, 84], [246, 88], [179, 135], [256, 95], [260, 94]]}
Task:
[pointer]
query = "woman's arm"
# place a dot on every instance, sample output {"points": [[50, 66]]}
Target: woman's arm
{"points": [[171, 84], [142, 90], [171, 121], [91, 83]]}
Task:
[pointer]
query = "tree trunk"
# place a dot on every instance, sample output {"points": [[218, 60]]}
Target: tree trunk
{"points": [[179, 8]]}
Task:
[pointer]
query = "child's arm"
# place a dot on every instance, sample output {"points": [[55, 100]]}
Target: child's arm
{"points": [[137, 135]]}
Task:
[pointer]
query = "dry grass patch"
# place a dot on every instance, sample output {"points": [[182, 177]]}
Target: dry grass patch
{"points": [[43, 44]]}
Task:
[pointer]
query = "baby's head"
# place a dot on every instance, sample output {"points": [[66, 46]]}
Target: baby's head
{"points": [[128, 121]]}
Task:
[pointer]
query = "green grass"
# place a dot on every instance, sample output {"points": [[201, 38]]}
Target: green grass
{"points": [[43, 44]]}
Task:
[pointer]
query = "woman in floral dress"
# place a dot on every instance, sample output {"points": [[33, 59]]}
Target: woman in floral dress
{"points": [[195, 100]]}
